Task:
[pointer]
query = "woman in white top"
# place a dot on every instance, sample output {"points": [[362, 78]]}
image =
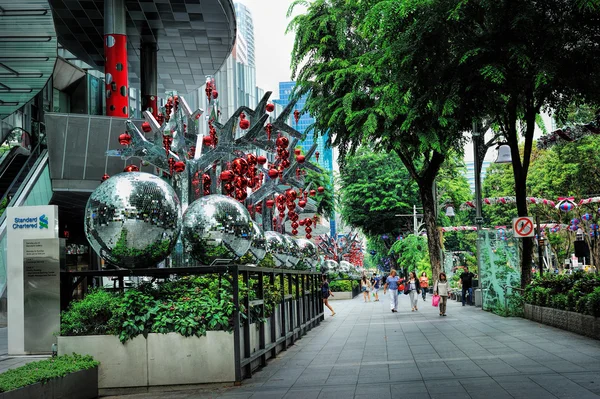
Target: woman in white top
{"points": [[414, 289], [442, 288], [365, 285]]}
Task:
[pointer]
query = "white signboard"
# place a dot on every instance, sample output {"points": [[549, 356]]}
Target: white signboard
{"points": [[523, 227], [24, 222]]}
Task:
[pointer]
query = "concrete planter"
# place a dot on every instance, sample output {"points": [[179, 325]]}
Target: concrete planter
{"points": [[341, 295], [565, 320], [161, 359], [80, 385]]}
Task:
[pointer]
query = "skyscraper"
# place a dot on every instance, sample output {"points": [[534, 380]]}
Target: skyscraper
{"points": [[245, 26]]}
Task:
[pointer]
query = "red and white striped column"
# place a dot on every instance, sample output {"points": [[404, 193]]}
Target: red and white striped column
{"points": [[115, 52]]}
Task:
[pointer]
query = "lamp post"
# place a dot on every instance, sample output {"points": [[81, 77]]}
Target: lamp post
{"points": [[479, 150]]}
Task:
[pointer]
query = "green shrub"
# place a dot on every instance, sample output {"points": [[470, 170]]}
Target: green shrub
{"points": [[341, 285], [579, 292], [97, 314], [44, 370]]}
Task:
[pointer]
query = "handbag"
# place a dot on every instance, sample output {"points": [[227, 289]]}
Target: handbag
{"points": [[406, 289], [435, 301], [400, 287]]}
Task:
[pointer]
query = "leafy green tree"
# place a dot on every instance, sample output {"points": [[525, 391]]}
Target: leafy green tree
{"points": [[410, 253], [367, 70], [325, 200], [373, 188]]}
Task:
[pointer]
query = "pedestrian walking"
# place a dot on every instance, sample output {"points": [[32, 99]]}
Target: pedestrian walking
{"points": [[414, 289], [365, 287], [326, 293], [376, 284], [466, 280], [424, 281], [442, 288], [392, 283]]}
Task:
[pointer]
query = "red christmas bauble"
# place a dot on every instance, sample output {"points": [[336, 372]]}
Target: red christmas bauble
{"points": [[295, 232], [179, 166], [300, 158], [321, 189], [131, 168], [302, 222], [292, 215], [206, 179], [270, 203], [251, 159], [282, 142], [105, 177], [291, 194], [294, 225], [261, 160], [270, 107], [215, 94], [146, 128], [309, 222], [313, 193], [207, 141], [297, 151], [308, 236], [125, 139], [258, 208], [308, 229], [273, 173], [284, 154], [227, 176], [240, 183], [281, 208], [244, 124], [239, 166], [301, 203], [228, 187], [285, 163], [241, 195]]}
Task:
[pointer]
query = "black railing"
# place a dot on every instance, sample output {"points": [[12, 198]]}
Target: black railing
{"points": [[300, 308]]}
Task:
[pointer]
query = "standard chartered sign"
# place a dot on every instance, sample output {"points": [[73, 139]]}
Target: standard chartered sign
{"points": [[26, 223], [40, 222]]}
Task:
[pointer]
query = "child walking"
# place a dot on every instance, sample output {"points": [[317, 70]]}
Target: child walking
{"points": [[442, 288]]}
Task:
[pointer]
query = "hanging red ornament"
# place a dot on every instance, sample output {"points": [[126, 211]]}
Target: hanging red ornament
{"points": [[105, 177], [321, 189], [179, 166], [291, 195], [308, 236], [308, 222], [228, 187], [131, 168], [317, 155], [302, 203], [192, 152], [270, 204], [206, 180], [295, 232], [270, 107], [269, 130], [146, 128], [258, 208], [207, 141], [125, 139], [239, 166], [208, 90], [302, 222], [281, 208], [160, 118], [297, 151], [244, 124], [300, 158], [294, 225], [240, 183], [251, 159], [261, 160], [241, 195], [286, 163], [285, 154], [206, 191], [273, 173], [315, 219], [282, 142], [308, 229], [313, 193], [227, 176], [215, 94], [296, 115]]}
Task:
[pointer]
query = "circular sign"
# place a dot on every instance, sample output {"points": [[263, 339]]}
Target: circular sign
{"points": [[523, 227]]}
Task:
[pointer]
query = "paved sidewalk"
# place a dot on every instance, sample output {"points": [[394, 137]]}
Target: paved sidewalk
{"points": [[12, 362], [365, 351]]}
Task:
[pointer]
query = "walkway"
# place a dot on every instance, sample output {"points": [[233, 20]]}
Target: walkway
{"points": [[12, 362], [366, 351]]}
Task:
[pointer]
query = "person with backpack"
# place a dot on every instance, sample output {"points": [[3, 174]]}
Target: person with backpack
{"points": [[326, 293], [442, 288]]}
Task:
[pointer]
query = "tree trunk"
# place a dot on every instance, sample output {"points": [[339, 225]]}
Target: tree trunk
{"points": [[521, 198], [433, 234]]}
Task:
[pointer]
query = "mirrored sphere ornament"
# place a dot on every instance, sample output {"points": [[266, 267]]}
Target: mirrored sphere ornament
{"points": [[133, 219], [258, 246], [277, 246], [329, 266], [293, 251], [216, 227], [346, 266], [309, 252]]}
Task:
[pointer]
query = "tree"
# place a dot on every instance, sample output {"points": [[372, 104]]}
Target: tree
{"points": [[366, 68], [325, 200], [373, 188], [520, 57]]}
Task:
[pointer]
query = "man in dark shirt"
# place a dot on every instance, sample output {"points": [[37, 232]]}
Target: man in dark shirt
{"points": [[466, 279]]}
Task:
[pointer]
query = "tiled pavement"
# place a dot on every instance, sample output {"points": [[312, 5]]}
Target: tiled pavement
{"points": [[11, 362], [366, 351]]}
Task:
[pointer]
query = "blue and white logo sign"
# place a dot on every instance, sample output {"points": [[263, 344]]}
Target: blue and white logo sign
{"points": [[40, 222]]}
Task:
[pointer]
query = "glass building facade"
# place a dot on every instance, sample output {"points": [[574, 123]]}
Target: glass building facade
{"points": [[245, 25]]}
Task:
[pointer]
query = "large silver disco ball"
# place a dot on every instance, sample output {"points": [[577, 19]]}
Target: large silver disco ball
{"points": [[309, 252], [294, 255], [258, 246], [346, 266], [133, 219], [329, 266], [278, 247], [216, 227]]}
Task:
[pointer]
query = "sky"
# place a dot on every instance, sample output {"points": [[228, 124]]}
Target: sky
{"points": [[272, 46]]}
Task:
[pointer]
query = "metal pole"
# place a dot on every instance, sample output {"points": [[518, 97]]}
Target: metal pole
{"points": [[415, 219], [478, 204], [540, 243]]}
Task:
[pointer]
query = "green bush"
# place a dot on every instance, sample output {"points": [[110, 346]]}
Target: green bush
{"points": [[98, 314], [579, 292], [342, 285], [44, 370]]}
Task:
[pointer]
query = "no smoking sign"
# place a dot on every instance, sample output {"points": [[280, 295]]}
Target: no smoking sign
{"points": [[523, 227]]}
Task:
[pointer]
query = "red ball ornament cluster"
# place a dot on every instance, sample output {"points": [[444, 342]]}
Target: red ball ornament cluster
{"points": [[242, 175], [283, 154], [170, 106], [211, 140], [131, 168], [206, 182], [146, 128], [125, 139], [307, 223], [244, 123]]}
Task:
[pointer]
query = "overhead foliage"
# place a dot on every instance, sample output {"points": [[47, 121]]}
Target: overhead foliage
{"points": [[325, 200]]}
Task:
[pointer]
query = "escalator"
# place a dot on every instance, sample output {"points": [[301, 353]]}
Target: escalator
{"points": [[10, 168]]}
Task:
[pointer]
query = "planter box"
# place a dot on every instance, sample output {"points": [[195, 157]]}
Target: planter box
{"points": [[341, 295], [571, 321], [162, 359], [80, 385]]}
